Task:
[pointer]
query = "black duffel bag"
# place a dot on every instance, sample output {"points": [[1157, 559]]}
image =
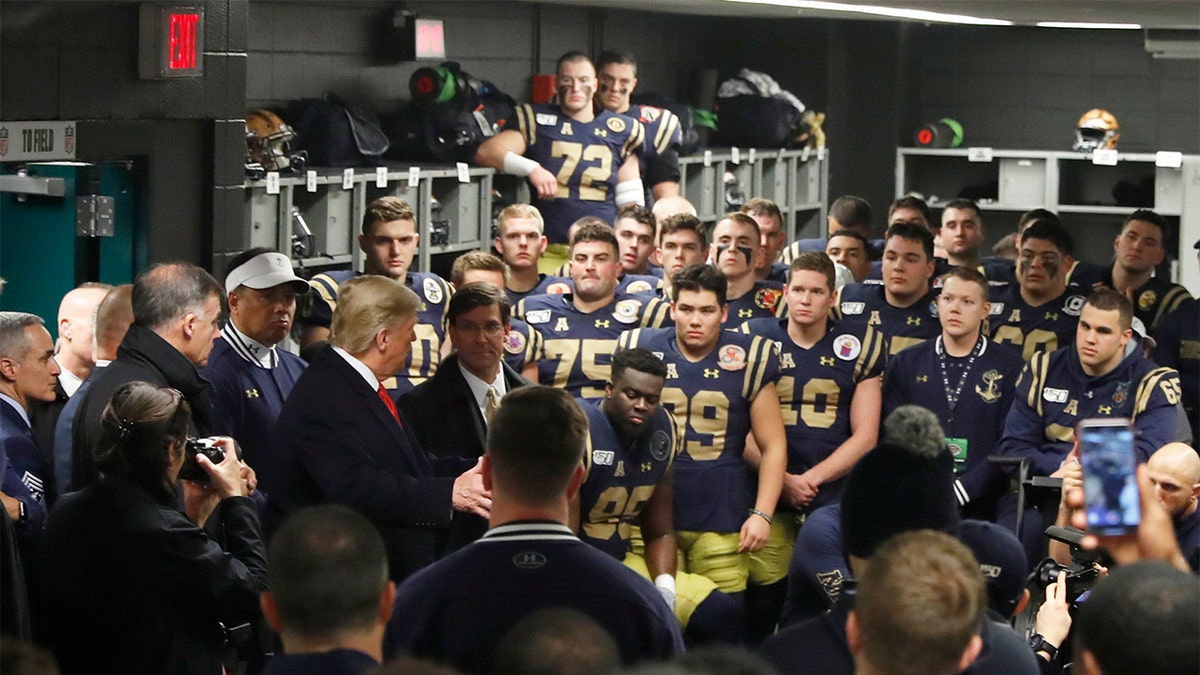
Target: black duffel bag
{"points": [[336, 132]]}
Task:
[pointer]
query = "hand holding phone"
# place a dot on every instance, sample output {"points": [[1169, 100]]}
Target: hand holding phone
{"points": [[1110, 486]]}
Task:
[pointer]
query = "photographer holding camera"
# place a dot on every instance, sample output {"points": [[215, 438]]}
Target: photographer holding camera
{"points": [[133, 585]]}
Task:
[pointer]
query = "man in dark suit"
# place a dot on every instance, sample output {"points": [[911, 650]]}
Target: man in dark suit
{"points": [[176, 313], [340, 439], [450, 410]]}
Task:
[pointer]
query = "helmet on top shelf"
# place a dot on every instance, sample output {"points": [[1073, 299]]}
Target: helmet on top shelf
{"points": [[1097, 128], [267, 139]]}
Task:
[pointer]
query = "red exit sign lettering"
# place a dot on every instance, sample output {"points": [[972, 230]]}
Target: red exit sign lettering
{"points": [[171, 41], [182, 40]]}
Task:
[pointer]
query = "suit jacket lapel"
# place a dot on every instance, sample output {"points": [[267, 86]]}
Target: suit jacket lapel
{"points": [[409, 448], [463, 397]]}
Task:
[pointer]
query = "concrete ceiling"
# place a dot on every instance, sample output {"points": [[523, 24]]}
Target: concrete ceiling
{"points": [[1148, 13]]}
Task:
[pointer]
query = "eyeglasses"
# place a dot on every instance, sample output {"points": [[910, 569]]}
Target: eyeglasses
{"points": [[491, 329]]}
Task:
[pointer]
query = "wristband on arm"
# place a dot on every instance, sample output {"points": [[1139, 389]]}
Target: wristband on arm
{"points": [[516, 165], [631, 192]]}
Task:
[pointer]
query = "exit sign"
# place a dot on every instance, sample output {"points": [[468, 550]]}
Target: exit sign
{"points": [[171, 42]]}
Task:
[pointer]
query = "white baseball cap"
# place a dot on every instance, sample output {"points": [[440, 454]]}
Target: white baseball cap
{"points": [[265, 270]]}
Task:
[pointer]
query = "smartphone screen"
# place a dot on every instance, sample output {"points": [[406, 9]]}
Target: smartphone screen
{"points": [[1109, 481]]}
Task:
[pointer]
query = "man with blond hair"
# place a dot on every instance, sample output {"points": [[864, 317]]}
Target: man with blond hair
{"points": [[340, 438], [521, 241]]}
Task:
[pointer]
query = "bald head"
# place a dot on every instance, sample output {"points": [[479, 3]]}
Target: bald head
{"points": [[672, 206], [76, 316], [113, 318], [1175, 472]]}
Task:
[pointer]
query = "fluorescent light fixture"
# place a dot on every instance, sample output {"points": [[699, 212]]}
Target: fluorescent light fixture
{"points": [[1085, 24], [876, 10]]}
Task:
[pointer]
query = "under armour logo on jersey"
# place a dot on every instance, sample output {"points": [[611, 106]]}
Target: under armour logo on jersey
{"points": [[566, 129], [530, 560], [1104, 410], [745, 313], [620, 468], [672, 373], [646, 467], [712, 373], [602, 323], [252, 393], [922, 378], [1052, 316], [828, 360], [913, 321], [603, 133], [561, 324]]}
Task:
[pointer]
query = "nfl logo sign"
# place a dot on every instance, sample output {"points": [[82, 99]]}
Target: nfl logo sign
{"points": [[69, 139], [3, 141]]}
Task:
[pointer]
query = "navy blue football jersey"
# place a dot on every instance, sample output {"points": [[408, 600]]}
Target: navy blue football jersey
{"points": [[1152, 300], [975, 424], [1026, 329], [522, 345], [1053, 394], [577, 346], [662, 129], [1178, 346], [426, 354], [763, 301], [585, 156], [711, 401], [547, 285], [621, 476], [816, 387], [902, 327]]}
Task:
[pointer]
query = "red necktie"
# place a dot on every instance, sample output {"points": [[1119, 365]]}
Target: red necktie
{"points": [[391, 405]]}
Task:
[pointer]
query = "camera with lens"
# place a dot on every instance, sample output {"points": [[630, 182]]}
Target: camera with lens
{"points": [[1080, 577], [191, 469]]}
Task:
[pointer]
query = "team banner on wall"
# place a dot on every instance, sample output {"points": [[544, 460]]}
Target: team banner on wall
{"points": [[36, 141]]}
